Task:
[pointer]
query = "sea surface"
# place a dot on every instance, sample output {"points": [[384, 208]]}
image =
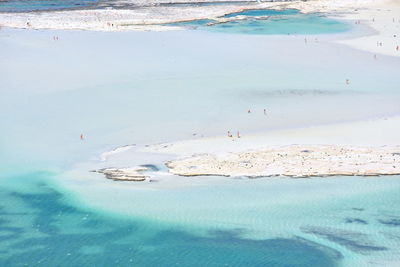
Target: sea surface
{"points": [[42, 5], [143, 88], [269, 21]]}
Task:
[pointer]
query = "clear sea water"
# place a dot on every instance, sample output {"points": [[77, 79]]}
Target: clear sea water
{"points": [[149, 87], [268, 21], [41, 5]]}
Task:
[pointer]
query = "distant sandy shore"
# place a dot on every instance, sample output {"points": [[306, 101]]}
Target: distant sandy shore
{"points": [[382, 16]]}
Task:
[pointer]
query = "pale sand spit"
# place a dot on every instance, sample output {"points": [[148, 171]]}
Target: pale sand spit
{"points": [[294, 161]]}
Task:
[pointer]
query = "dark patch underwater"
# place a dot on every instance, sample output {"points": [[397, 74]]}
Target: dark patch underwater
{"points": [[354, 241], [390, 222], [355, 220], [59, 234]]}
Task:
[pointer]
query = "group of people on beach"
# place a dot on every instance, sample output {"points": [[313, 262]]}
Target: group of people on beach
{"points": [[380, 43], [238, 133], [230, 134], [315, 40]]}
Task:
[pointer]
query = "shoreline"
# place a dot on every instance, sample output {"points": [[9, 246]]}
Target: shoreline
{"points": [[381, 16], [334, 153]]}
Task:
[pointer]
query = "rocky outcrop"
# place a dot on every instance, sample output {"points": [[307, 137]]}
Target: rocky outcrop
{"points": [[125, 174], [294, 161]]}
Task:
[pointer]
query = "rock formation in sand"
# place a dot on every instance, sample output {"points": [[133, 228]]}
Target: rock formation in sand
{"points": [[294, 161], [125, 174]]}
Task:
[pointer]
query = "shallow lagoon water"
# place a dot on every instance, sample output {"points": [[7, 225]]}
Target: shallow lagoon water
{"points": [[269, 21], [39, 227], [295, 24], [52, 214], [274, 223], [41, 5]]}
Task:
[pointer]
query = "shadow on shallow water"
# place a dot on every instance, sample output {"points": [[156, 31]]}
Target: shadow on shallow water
{"points": [[39, 227], [354, 241], [390, 222]]}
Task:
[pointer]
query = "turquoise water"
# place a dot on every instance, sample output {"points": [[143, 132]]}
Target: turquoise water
{"points": [[40, 5], [39, 227], [148, 87], [43, 225], [298, 24], [288, 21]]}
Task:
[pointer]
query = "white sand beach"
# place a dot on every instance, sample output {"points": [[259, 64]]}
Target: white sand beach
{"points": [[374, 132]]}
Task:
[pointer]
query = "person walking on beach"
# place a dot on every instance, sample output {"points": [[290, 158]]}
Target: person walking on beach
{"points": [[249, 111], [82, 137], [229, 134], [238, 134], [347, 81], [265, 111]]}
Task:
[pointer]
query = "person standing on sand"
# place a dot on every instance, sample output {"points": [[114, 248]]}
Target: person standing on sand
{"points": [[82, 137], [265, 111], [238, 134]]}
